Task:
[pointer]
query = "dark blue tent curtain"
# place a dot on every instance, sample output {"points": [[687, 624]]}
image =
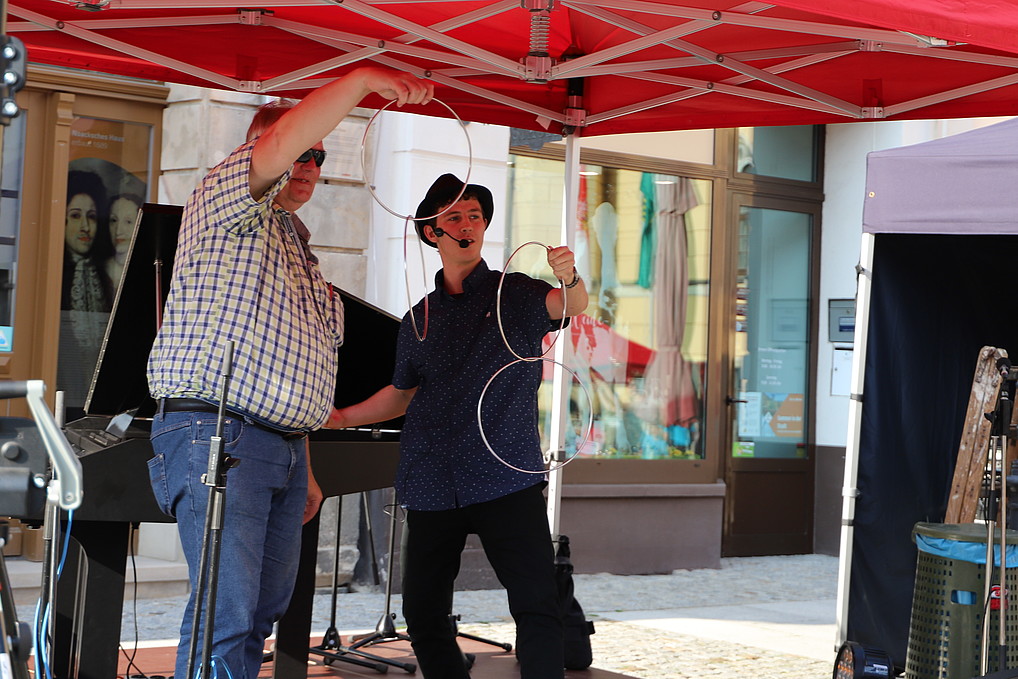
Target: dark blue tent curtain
{"points": [[936, 301]]}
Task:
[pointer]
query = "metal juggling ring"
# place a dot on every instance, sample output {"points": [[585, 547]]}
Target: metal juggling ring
{"points": [[470, 161], [498, 307], [421, 335], [590, 416]]}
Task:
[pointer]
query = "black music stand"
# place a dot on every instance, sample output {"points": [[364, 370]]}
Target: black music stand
{"points": [[370, 332], [331, 648], [385, 630]]}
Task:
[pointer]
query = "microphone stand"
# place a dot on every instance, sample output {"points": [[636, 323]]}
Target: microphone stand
{"points": [[1004, 410], [997, 501], [215, 479], [63, 491], [15, 636]]}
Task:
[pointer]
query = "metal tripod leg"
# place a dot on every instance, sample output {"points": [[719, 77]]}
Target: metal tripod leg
{"points": [[15, 636], [385, 630], [331, 648], [505, 646]]}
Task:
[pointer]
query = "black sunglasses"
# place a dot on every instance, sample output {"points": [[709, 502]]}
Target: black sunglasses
{"points": [[317, 154]]}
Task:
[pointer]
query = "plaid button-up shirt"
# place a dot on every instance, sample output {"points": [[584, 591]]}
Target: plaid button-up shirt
{"points": [[241, 273]]}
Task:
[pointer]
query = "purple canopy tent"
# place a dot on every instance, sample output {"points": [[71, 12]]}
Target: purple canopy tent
{"points": [[936, 283]]}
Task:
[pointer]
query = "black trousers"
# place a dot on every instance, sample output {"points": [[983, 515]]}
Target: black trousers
{"points": [[514, 534]]}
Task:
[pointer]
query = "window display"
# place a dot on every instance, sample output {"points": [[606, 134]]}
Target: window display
{"points": [[643, 246], [107, 181]]}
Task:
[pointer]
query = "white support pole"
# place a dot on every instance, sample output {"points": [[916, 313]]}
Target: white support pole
{"points": [[560, 397], [849, 490]]}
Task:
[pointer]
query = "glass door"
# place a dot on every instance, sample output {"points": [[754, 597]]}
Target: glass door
{"points": [[769, 501]]}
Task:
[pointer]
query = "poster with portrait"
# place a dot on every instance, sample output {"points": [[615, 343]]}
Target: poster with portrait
{"points": [[107, 182]]}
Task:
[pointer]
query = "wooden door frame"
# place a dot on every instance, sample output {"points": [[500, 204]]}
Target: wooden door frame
{"points": [[760, 543], [52, 98]]}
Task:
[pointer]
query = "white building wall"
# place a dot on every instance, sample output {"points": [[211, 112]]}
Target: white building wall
{"points": [[408, 153], [200, 128], [844, 189]]}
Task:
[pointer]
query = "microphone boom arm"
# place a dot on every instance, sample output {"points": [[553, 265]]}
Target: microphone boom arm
{"points": [[65, 488]]}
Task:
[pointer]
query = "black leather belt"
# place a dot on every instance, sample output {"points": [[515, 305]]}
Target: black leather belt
{"points": [[189, 405]]}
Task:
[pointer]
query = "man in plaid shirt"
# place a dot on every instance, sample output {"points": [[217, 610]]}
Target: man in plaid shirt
{"points": [[243, 271]]}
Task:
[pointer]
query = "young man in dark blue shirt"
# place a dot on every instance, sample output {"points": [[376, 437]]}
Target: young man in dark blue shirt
{"points": [[449, 482]]}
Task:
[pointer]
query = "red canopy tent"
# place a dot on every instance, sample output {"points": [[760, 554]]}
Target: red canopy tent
{"points": [[597, 66]]}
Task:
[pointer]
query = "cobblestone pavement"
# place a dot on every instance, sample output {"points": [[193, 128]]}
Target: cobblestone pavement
{"points": [[642, 653], [636, 618]]}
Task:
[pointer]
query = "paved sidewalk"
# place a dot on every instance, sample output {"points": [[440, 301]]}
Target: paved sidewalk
{"points": [[765, 617]]}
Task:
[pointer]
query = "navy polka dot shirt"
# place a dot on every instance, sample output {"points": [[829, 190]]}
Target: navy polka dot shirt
{"points": [[444, 463]]}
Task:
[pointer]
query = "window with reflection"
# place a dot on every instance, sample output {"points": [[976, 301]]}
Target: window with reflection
{"points": [[640, 349], [771, 354], [107, 182], [10, 219], [783, 152]]}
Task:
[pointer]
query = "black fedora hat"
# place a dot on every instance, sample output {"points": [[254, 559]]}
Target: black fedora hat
{"points": [[443, 192]]}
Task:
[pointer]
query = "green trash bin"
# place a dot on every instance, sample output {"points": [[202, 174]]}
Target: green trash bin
{"points": [[944, 639]]}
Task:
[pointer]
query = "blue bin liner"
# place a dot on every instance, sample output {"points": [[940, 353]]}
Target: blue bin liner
{"points": [[973, 552]]}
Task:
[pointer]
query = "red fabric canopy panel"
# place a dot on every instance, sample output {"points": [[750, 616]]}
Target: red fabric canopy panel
{"points": [[989, 23], [596, 66]]}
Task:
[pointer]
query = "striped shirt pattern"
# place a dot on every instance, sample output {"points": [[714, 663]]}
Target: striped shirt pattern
{"points": [[241, 273]]}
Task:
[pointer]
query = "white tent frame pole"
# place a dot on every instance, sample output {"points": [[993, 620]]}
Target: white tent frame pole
{"points": [[498, 63], [365, 52], [560, 392], [709, 56], [850, 491], [71, 28], [687, 94], [958, 93], [738, 18]]}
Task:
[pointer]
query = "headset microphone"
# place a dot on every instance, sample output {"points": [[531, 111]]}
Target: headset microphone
{"points": [[463, 242]]}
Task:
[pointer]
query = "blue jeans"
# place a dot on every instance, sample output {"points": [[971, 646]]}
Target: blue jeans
{"points": [[264, 506]]}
